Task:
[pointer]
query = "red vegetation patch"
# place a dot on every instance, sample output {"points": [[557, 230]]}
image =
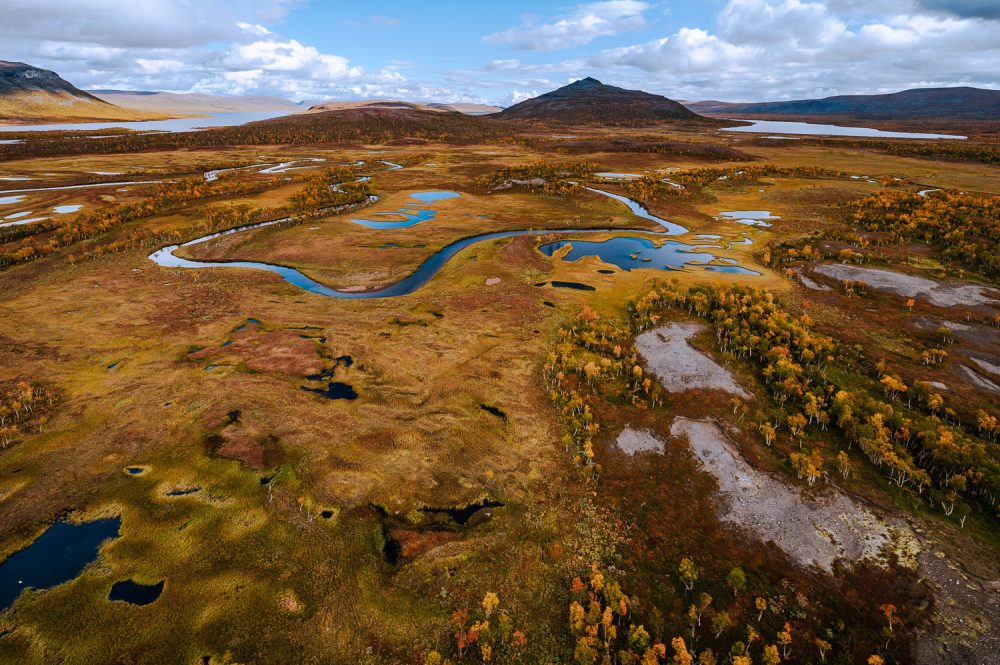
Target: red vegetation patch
{"points": [[378, 441], [284, 352], [255, 452], [521, 252], [415, 543]]}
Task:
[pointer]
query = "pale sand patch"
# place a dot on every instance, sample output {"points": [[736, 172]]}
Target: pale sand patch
{"points": [[492, 281], [911, 286], [632, 441], [678, 365], [991, 368], [810, 283], [813, 531], [979, 380]]}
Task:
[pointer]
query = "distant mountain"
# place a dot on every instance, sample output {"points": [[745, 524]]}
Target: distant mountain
{"points": [[194, 102], [366, 123], [391, 104], [29, 94], [959, 103], [588, 101]]}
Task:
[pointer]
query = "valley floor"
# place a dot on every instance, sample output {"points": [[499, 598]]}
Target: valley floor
{"points": [[320, 479]]}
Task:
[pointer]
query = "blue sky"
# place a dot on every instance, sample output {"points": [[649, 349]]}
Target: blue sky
{"points": [[501, 52]]}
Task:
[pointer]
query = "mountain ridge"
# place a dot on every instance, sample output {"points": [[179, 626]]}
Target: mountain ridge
{"points": [[962, 102], [193, 102]]}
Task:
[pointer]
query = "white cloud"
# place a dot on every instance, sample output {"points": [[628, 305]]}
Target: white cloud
{"points": [[253, 28], [290, 56], [212, 49], [585, 24], [754, 49], [517, 96], [158, 66], [691, 50], [132, 23], [780, 49]]}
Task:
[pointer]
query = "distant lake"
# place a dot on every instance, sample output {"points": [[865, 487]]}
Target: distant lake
{"points": [[226, 118], [783, 127]]}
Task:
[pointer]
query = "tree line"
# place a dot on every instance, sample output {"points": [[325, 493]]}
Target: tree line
{"points": [[320, 194], [900, 427], [24, 406]]}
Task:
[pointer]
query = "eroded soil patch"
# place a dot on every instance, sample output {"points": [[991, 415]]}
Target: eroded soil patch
{"points": [[812, 530], [678, 365], [912, 286]]}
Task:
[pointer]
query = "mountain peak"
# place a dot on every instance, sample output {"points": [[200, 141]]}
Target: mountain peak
{"points": [[590, 101]]}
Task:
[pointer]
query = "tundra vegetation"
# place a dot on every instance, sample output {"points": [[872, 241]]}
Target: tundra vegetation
{"points": [[435, 477]]}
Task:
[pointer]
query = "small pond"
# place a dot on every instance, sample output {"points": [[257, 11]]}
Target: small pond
{"points": [[410, 215], [629, 253], [67, 208], [334, 390], [135, 593], [58, 555]]}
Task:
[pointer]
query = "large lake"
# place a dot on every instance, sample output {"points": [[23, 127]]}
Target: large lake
{"points": [[226, 119], [783, 127]]}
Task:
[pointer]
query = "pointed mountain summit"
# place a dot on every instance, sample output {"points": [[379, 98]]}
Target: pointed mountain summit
{"points": [[588, 101]]}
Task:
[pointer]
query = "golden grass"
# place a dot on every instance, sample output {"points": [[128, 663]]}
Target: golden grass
{"points": [[39, 107]]}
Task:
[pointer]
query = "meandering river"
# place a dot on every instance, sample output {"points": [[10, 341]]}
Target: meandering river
{"points": [[167, 258]]}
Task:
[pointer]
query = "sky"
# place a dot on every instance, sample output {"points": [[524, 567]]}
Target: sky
{"points": [[504, 52]]}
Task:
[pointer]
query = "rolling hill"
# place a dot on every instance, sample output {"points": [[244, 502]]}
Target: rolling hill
{"points": [[921, 103], [460, 107], [195, 102], [30, 95], [396, 121], [588, 101]]}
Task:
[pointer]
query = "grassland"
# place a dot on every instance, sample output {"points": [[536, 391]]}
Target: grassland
{"points": [[280, 553]]}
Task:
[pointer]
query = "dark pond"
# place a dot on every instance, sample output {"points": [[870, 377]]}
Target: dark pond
{"points": [[579, 286], [58, 555], [462, 515], [494, 411], [135, 593], [334, 390]]}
